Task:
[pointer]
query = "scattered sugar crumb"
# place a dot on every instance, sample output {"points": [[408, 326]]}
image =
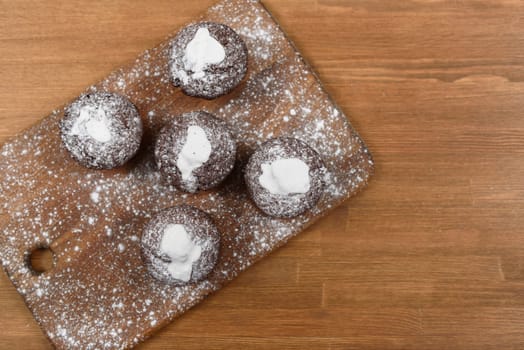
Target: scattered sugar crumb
{"points": [[95, 197]]}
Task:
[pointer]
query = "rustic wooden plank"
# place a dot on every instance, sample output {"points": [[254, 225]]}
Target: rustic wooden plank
{"points": [[445, 293], [320, 322], [357, 342], [269, 297], [401, 268]]}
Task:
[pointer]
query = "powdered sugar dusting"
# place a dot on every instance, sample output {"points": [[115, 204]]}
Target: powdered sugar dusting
{"points": [[163, 258], [208, 59], [100, 295], [202, 51], [101, 131], [92, 122]]}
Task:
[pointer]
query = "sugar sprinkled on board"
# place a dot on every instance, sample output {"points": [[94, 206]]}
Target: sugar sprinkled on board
{"points": [[104, 212], [95, 197]]}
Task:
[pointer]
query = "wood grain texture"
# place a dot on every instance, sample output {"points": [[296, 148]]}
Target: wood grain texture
{"points": [[430, 256]]}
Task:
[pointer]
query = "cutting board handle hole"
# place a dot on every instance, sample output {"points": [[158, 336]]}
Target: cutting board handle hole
{"points": [[41, 260]]}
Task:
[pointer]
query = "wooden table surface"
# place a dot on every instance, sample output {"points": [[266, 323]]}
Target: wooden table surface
{"points": [[430, 256]]}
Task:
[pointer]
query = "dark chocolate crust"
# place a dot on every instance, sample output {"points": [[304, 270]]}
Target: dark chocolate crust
{"points": [[124, 123], [202, 231], [220, 78], [284, 206], [172, 138]]}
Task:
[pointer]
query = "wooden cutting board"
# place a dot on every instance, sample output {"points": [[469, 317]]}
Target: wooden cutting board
{"points": [[99, 294]]}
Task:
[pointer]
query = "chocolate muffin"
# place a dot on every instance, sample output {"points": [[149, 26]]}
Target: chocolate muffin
{"points": [[180, 245], [101, 130], [195, 151], [285, 177], [208, 60]]}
